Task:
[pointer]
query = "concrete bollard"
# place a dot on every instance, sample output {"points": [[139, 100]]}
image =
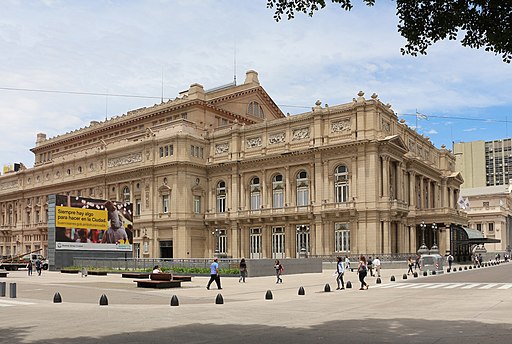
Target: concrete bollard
{"points": [[103, 300], [174, 301], [57, 298], [349, 284], [378, 280], [327, 288], [268, 295], [392, 279], [302, 291], [2, 288], [404, 276], [12, 290], [448, 270], [219, 300]]}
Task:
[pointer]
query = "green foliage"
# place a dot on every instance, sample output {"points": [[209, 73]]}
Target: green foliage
{"points": [[483, 24]]}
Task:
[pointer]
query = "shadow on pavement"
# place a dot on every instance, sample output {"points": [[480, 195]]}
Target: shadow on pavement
{"points": [[338, 331]]}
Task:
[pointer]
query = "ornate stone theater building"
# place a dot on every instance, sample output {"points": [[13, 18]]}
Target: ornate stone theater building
{"points": [[225, 172]]}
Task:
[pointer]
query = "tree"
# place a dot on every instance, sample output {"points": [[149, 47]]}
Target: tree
{"points": [[482, 23]]}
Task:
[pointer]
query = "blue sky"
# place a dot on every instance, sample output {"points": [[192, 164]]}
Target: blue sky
{"points": [[124, 47]]}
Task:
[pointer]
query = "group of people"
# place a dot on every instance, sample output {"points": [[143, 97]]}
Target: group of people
{"points": [[38, 265]]}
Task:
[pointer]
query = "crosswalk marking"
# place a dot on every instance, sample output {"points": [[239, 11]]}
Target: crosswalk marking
{"points": [[484, 286], [10, 303]]}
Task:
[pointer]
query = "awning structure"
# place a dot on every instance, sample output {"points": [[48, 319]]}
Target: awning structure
{"points": [[471, 236]]}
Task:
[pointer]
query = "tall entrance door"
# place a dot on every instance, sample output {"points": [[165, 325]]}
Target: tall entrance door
{"points": [[255, 243], [166, 249], [278, 251]]}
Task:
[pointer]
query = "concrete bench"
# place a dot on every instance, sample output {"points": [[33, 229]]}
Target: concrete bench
{"points": [[159, 280], [99, 273], [69, 271]]}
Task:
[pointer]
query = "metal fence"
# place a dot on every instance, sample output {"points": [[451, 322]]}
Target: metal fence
{"points": [[149, 263]]}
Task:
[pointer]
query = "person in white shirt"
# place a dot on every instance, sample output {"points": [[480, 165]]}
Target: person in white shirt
{"points": [[157, 270], [340, 269], [376, 263]]}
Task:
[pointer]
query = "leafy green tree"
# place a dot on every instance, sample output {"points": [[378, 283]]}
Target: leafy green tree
{"points": [[481, 23]]}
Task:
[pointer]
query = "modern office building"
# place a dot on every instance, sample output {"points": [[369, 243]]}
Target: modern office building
{"points": [[484, 163], [225, 172]]}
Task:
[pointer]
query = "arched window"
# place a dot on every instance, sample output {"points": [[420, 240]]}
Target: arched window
{"points": [[341, 184], [221, 197], [302, 189], [277, 191], [126, 194], [255, 193], [255, 109]]}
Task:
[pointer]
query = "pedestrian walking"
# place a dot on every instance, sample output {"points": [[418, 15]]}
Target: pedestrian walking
{"points": [[417, 262], [370, 266], [347, 264], [340, 270], [376, 263], [38, 267], [243, 271], [410, 263], [214, 274], [450, 261], [279, 271], [362, 270], [29, 268]]}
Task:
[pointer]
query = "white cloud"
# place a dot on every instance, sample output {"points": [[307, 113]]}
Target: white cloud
{"points": [[470, 129], [432, 132]]}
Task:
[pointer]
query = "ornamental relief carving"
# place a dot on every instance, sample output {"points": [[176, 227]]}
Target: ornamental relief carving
{"points": [[300, 134], [221, 148], [340, 126], [386, 126], [253, 142], [9, 185], [276, 138], [125, 160]]}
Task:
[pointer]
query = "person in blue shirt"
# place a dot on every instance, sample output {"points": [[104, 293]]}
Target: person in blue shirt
{"points": [[214, 274]]}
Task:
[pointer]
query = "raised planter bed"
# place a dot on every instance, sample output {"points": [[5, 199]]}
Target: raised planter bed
{"points": [[69, 271], [98, 273], [140, 275]]}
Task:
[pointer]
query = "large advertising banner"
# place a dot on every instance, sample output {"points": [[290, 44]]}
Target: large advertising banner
{"points": [[93, 224]]}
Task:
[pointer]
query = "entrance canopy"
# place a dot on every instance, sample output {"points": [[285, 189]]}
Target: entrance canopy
{"points": [[471, 236]]}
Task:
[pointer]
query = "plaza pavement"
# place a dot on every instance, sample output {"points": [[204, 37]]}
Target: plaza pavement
{"points": [[472, 306]]}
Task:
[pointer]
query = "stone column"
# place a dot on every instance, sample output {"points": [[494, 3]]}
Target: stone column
{"points": [[412, 190], [385, 177]]}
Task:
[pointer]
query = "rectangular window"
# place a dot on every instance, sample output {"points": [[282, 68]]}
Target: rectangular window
{"points": [[255, 200], [161, 152], [165, 203], [479, 227], [138, 206], [191, 150], [341, 193], [197, 151], [171, 150], [491, 226], [201, 152], [341, 237], [302, 196], [278, 198], [221, 203], [278, 248], [223, 241], [197, 204], [166, 150]]}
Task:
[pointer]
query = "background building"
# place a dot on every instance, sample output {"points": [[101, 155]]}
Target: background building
{"points": [[225, 172]]}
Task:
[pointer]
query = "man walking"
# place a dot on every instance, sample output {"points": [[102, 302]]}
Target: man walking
{"points": [[340, 269], [376, 262], [214, 274], [370, 266], [450, 261]]}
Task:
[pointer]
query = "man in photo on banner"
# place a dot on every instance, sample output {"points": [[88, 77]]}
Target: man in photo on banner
{"points": [[116, 232]]}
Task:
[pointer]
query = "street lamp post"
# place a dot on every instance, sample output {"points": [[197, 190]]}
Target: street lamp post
{"points": [[216, 234], [423, 248], [434, 248], [302, 231]]}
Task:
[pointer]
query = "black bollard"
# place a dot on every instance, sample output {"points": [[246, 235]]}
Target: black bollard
{"points": [[404, 276], [12, 290], [448, 270], [470, 267], [425, 273], [415, 274], [434, 272], [465, 268], [378, 280], [268, 295], [460, 268], [2, 288], [103, 300], [174, 301], [57, 298], [349, 284], [327, 288], [302, 291], [219, 300], [392, 279]]}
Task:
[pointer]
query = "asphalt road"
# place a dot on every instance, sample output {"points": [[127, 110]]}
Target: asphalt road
{"points": [[472, 306]]}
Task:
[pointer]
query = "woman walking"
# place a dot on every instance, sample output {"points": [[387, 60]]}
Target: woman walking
{"points": [[411, 265], [279, 271], [340, 269], [243, 271], [362, 271]]}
